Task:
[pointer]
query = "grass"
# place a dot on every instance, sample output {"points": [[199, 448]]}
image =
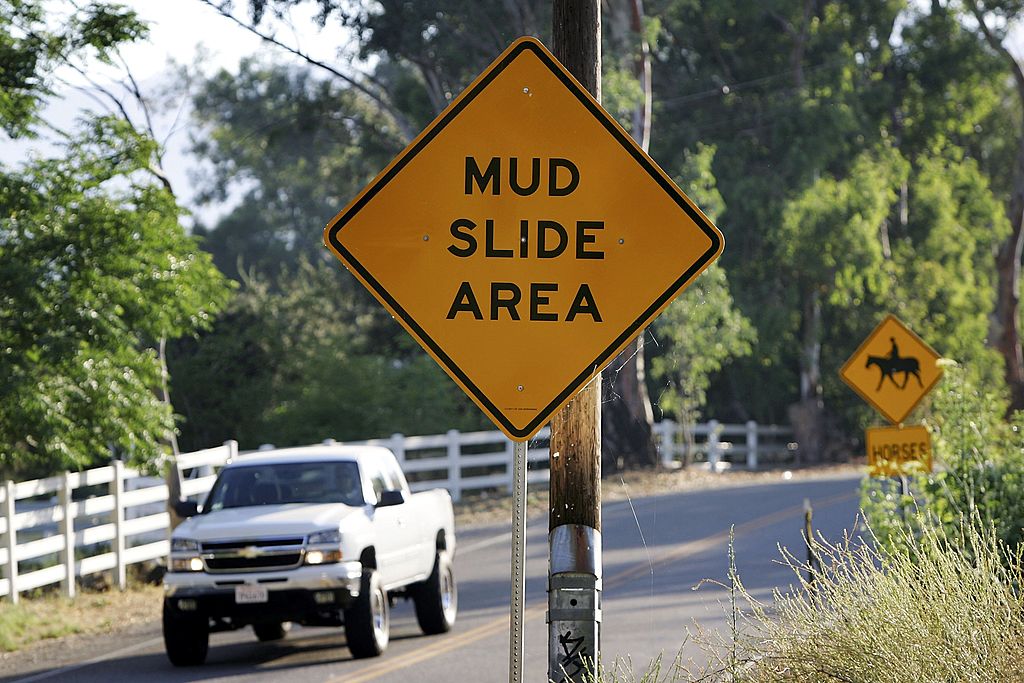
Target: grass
{"points": [[48, 616], [946, 607], [943, 608]]}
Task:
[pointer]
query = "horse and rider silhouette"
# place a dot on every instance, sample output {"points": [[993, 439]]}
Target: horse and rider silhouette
{"points": [[894, 364]]}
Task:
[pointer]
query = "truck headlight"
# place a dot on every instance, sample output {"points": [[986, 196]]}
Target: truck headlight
{"points": [[330, 537], [184, 545], [186, 564], [330, 554], [323, 556]]}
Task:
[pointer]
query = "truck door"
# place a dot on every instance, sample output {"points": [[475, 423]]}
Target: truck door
{"points": [[390, 529], [420, 517]]}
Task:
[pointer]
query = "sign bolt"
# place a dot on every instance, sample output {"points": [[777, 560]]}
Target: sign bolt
{"points": [[526, 91], [519, 388], [426, 238]]}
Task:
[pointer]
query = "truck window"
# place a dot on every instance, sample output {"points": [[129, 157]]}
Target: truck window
{"points": [[284, 483]]}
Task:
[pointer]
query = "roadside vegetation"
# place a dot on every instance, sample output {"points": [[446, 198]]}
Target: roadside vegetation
{"points": [[979, 471], [941, 605], [48, 615]]}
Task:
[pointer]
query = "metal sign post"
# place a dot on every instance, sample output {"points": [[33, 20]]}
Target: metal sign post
{"points": [[515, 650]]}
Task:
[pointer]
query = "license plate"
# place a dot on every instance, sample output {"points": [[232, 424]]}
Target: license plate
{"points": [[248, 595]]}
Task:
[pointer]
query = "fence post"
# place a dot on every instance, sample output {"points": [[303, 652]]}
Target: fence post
{"points": [[398, 447], [751, 445], [67, 529], [12, 543], [668, 442], [117, 491], [714, 452], [454, 471]]}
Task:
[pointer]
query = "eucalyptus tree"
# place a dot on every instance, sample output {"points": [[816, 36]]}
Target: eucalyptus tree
{"points": [[96, 266], [992, 21]]}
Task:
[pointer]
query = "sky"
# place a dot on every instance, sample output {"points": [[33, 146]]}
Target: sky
{"points": [[180, 30]]}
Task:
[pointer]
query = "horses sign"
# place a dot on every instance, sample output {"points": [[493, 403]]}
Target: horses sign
{"points": [[893, 369], [898, 451]]}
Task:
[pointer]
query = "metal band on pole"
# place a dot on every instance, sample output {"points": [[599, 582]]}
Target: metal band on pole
{"points": [[515, 655], [574, 603]]}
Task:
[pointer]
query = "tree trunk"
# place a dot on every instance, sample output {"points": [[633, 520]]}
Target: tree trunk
{"points": [[627, 439], [808, 416], [1005, 329], [626, 415], [1004, 332]]}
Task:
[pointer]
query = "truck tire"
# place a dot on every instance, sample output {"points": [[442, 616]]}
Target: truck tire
{"points": [[437, 598], [186, 637], [268, 631], [368, 620]]}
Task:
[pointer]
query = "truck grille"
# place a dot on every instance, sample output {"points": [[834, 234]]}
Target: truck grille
{"points": [[252, 554]]}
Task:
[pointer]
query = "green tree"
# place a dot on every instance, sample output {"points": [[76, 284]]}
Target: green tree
{"points": [[445, 43], [298, 360], [992, 22], [788, 93], [701, 331], [831, 247], [37, 38], [97, 269], [297, 146], [946, 289]]}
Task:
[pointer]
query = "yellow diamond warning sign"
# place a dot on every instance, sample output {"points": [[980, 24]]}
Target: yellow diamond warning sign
{"points": [[523, 239], [895, 452], [893, 369]]}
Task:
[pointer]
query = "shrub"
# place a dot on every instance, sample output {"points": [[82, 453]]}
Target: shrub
{"points": [[979, 458], [943, 605]]}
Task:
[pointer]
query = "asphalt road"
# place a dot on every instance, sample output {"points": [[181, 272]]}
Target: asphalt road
{"points": [[656, 551]]}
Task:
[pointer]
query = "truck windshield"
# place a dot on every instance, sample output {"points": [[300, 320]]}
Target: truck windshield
{"points": [[294, 482]]}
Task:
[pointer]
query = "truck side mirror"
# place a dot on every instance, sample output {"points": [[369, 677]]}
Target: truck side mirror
{"points": [[391, 497], [186, 508]]}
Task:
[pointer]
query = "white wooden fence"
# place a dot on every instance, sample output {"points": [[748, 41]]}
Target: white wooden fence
{"points": [[82, 523], [77, 524]]}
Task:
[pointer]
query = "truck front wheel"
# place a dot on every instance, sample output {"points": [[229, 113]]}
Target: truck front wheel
{"points": [[367, 621], [186, 637], [437, 598]]}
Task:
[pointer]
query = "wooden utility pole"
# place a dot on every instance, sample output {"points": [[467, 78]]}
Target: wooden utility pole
{"points": [[574, 527], [575, 484]]}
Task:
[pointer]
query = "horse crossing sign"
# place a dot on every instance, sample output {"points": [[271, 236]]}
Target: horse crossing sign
{"points": [[893, 369]]}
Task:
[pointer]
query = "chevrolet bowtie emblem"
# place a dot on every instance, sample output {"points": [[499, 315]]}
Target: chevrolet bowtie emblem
{"points": [[249, 552]]}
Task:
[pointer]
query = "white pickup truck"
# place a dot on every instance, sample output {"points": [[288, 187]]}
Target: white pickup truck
{"points": [[322, 535]]}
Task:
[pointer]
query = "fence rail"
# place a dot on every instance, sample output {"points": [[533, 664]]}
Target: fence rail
{"points": [[76, 524]]}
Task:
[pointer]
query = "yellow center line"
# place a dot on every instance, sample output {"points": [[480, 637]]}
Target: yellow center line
{"points": [[499, 624]]}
